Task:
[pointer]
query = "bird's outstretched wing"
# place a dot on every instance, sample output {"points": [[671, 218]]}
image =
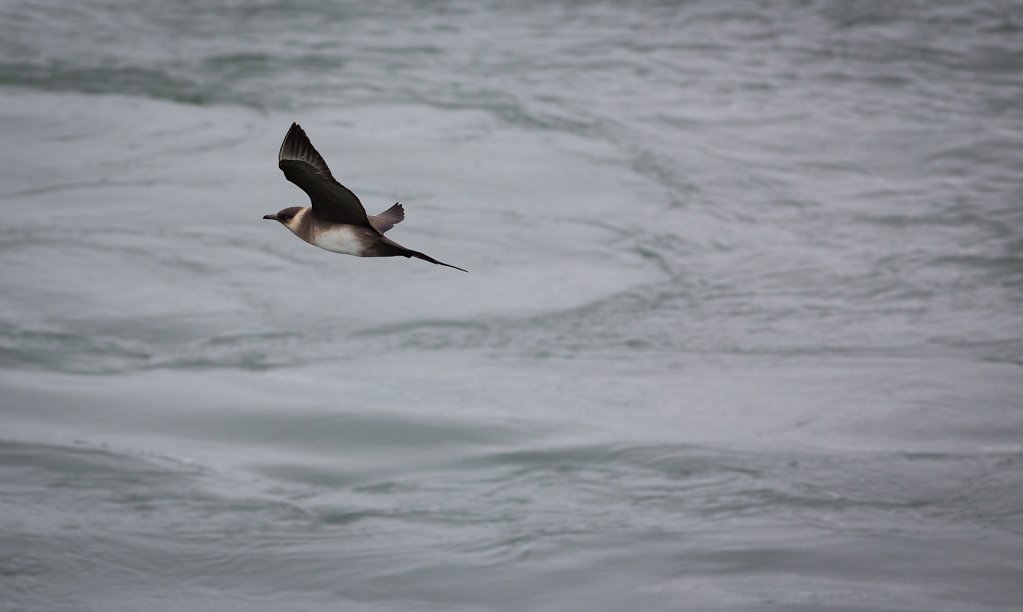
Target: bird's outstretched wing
{"points": [[388, 219], [303, 166]]}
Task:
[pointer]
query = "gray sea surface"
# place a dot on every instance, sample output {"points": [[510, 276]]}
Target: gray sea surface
{"points": [[743, 328]]}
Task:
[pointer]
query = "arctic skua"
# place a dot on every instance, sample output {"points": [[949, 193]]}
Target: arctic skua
{"points": [[336, 221]]}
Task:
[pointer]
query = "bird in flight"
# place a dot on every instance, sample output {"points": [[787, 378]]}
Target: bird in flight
{"points": [[336, 221]]}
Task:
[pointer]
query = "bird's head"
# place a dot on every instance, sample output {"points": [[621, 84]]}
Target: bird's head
{"points": [[289, 217]]}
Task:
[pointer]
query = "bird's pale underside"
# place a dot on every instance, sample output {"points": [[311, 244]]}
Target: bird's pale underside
{"points": [[336, 220]]}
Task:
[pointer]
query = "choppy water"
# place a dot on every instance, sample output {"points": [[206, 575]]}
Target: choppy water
{"points": [[743, 328]]}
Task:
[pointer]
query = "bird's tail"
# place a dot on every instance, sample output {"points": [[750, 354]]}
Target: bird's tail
{"points": [[393, 248], [425, 257]]}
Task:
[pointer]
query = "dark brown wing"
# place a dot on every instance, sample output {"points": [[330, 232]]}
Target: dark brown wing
{"points": [[303, 166]]}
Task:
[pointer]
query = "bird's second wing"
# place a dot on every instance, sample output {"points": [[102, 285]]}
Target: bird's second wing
{"points": [[387, 219], [303, 166]]}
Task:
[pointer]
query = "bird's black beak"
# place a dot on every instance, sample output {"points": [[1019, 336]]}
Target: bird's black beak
{"points": [[271, 217]]}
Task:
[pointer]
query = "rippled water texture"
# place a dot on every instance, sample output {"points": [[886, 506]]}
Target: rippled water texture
{"points": [[743, 328]]}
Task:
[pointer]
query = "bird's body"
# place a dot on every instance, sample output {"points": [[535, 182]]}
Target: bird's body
{"points": [[346, 239], [336, 237], [336, 221]]}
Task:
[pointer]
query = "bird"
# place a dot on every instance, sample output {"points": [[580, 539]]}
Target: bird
{"points": [[336, 220]]}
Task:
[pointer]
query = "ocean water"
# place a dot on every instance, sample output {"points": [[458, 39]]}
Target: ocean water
{"points": [[743, 328]]}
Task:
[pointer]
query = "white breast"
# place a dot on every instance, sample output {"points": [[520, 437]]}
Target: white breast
{"points": [[341, 239]]}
